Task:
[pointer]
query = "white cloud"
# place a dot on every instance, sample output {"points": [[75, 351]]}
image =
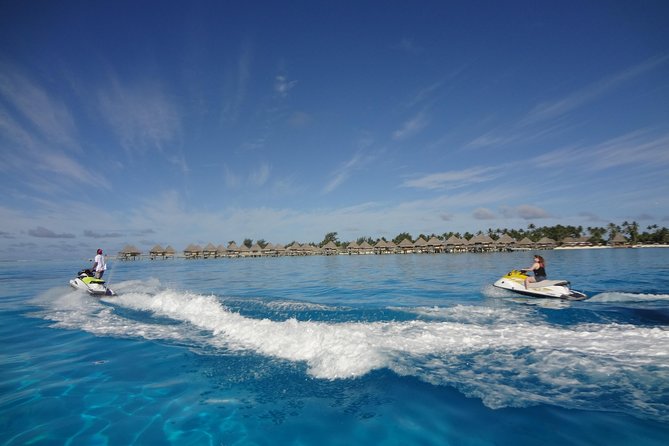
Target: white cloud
{"points": [[411, 127], [343, 172], [591, 92], [141, 115], [528, 212], [634, 148], [409, 46], [282, 85], [484, 214], [236, 86], [259, 176], [299, 119], [29, 156], [453, 179], [44, 114]]}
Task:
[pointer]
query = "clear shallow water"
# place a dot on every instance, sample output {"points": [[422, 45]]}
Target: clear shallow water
{"points": [[403, 349]]}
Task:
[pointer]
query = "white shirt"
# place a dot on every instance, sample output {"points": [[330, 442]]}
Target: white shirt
{"points": [[100, 264]]}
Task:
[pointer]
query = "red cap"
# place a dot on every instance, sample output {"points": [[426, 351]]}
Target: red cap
{"points": [[99, 251]]}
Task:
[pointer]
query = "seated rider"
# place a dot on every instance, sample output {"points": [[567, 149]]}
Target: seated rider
{"points": [[539, 269]]}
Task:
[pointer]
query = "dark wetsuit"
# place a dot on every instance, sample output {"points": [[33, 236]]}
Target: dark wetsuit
{"points": [[540, 274]]}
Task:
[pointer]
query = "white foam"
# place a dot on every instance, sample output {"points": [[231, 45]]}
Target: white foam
{"points": [[504, 357], [628, 297]]}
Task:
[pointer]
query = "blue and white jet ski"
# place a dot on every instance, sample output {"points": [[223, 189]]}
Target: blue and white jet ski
{"points": [[86, 281], [558, 289]]}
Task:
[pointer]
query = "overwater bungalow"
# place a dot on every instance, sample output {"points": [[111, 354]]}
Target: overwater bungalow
{"points": [[170, 252], [244, 251], [156, 251], [525, 244], [454, 244], [366, 248], [506, 242], [330, 248], [279, 249], [406, 246], [352, 248], [209, 251], [481, 243], [233, 250], [420, 245], [255, 250], [130, 252], [294, 249], [546, 243], [193, 251], [384, 247], [434, 245]]}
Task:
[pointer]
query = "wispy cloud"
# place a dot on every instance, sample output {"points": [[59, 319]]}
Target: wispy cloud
{"points": [[29, 154], [299, 119], [524, 211], [550, 110], [411, 126], [236, 88], [141, 115], [282, 85], [408, 45], [43, 113], [640, 147], [453, 179], [545, 118], [256, 177], [43, 232], [484, 214], [359, 160], [259, 176], [93, 234]]}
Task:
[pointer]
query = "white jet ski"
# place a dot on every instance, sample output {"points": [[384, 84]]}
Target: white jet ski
{"points": [[86, 281], [559, 289]]}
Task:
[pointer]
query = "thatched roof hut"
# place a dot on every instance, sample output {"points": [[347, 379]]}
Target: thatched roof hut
{"points": [[506, 240], [546, 243], [420, 245], [209, 251], [330, 248], [130, 252], [435, 245], [526, 243], [352, 248], [170, 251], [618, 240], [406, 246], [255, 250], [192, 251], [156, 251], [366, 248]]}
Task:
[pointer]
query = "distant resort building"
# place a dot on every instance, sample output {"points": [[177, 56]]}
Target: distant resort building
{"points": [[130, 252], [480, 243], [618, 240]]}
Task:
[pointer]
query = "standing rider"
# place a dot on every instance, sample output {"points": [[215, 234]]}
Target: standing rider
{"points": [[539, 269], [99, 265]]}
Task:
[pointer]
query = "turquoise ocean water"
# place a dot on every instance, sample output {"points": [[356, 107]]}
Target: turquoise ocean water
{"points": [[342, 350]]}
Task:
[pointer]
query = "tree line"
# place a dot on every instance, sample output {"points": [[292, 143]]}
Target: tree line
{"points": [[652, 234]]}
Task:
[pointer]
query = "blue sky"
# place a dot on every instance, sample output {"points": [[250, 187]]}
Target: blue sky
{"points": [[195, 122]]}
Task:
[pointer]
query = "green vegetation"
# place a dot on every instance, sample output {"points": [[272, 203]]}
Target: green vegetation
{"points": [[594, 234]]}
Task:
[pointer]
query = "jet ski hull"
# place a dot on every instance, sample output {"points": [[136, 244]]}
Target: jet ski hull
{"points": [[92, 286], [555, 289]]}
